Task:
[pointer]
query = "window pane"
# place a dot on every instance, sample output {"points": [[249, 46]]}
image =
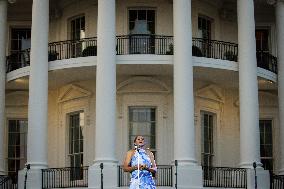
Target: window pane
{"points": [[142, 122], [76, 139], [207, 121], [141, 14], [266, 146], [17, 136], [132, 15], [146, 15]]}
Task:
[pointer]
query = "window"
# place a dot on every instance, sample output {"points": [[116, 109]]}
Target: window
{"points": [[142, 21], [207, 135], [76, 142], [204, 28], [262, 40], [20, 39], [204, 32], [77, 32], [17, 146], [78, 28], [266, 144], [142, 121], [141, 26]]}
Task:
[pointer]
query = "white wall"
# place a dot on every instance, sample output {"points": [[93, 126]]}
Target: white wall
{"points": [[145, 91]]}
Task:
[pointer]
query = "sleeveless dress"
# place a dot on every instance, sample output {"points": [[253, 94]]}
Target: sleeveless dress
{"points": [[146, 180]]}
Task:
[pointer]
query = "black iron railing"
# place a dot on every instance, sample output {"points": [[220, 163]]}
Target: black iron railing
{"points": [[224, 177], [141, 44], [7, 182], [144, 44], [266, 61], [214, 49], [72, 48], [276, 181], [67, 177], [18, 60], [163, 177]]}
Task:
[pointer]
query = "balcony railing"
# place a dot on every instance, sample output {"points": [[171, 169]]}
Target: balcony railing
{"points": [[224, 177], [266, 61], [277, 182], [164, 176], [141, 44], [144, 44], [214, 49], [68, 177], [72, 48], [7, 182]]}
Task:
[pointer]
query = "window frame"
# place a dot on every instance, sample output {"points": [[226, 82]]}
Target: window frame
{"points": [[143, 9], [25, 146], [272, 143], [130, 141], [211, 154]]}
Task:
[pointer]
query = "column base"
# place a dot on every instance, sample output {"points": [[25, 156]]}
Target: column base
{"points": [[263, 178], [2, 167], [34, 178], [110, 175], [188, 176]]}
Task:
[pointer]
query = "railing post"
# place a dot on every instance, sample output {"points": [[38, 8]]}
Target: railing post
{"points": [[26, 175], [176, 164], [102, 176]]}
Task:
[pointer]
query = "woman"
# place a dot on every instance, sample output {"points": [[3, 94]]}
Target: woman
{"points": [[146, 166]]}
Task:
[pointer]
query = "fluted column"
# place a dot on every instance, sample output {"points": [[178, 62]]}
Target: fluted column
{"points": [[3, 27], [184, 131], [280, 58], [38, 86], [105, 138], [248, 86], [184, 134], [38, 94]]}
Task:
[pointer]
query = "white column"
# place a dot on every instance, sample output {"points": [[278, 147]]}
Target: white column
{"points": [[280, 58], [248, 86], [189, 175], [248, 97], [38, 93], [3, 27], [105, 138]]}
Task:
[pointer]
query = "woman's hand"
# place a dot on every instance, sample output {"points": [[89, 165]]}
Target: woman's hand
{"points": [[144, 167]]}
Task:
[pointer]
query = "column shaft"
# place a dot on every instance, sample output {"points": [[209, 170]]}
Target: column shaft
{"points": [[38, 86], [105, 100], [3, 27], [280, 58], [248, 86], [184, 132], [106, 83]]}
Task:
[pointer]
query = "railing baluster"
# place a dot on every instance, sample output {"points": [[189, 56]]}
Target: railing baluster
{"points": [[140, 44], [224, 177]]}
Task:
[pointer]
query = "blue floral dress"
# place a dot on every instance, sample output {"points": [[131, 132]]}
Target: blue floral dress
{"points": [[145, 180]]}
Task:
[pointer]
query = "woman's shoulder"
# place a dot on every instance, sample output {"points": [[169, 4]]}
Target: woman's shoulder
{"points": [[130, 152]]}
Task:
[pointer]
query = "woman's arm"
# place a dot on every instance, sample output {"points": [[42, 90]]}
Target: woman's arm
{"points": [[152, 169], [126, 165]]}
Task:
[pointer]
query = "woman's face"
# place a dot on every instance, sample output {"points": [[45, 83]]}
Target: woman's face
{"points": [[139, 141]]}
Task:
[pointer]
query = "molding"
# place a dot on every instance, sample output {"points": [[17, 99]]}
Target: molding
{"points": [[211, 92], [73, 92], [161, 87], [21, 96]]}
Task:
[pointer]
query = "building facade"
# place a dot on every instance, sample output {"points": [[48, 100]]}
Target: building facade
{"points": [[201, 80]]}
